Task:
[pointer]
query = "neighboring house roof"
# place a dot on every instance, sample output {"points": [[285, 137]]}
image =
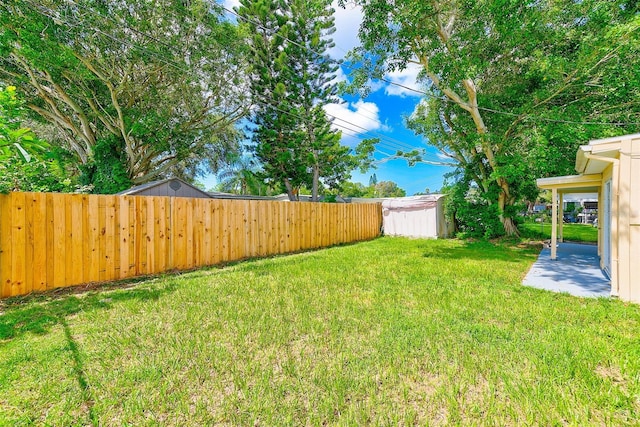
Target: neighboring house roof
{"points": [[306, 198], [174, 187], [217, 195]]}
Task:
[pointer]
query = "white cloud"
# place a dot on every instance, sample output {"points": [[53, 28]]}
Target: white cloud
{"points": [[408, 78], [354, 119], [347, 22]]}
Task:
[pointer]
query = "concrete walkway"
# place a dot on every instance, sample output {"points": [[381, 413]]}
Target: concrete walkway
{"points": [[576, 271]]}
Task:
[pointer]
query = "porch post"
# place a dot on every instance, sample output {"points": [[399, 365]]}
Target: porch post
{"points": [[554, 222], [560, 215]]}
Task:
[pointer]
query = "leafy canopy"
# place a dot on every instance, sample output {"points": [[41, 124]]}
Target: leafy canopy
{"points": [[511, 87], [161, 80]]}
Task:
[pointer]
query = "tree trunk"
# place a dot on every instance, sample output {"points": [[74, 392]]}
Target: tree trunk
{"points": [[509, 225], [290, 193], [316, 179], [444, 29], [504, 201]]}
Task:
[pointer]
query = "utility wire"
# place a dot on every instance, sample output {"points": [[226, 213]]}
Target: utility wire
{"points": [[401, 145], [385, 140], [177, 66], [51, 15], [443, 98], [297, 116], [392, 143]]}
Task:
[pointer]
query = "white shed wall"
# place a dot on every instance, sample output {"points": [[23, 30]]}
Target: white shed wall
{"points": [[419, 216], [416, 223]]}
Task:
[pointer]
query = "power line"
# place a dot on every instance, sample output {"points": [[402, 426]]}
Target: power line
{"points": [[71, 25], [344, 127], [49, 14], [384, 140], [443, 98], [179, 67]]}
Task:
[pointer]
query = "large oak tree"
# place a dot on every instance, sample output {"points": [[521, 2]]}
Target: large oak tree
{"points": [[157, 84], [510, 86]]}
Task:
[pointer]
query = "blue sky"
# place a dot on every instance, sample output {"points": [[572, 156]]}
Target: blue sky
{"points": [[380, 115], [390, 111]]}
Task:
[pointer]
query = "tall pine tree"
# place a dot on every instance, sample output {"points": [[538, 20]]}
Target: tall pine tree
{"points": [[273, 133], [291, 82]]}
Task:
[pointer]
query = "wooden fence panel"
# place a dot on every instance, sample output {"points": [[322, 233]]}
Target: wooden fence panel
{"points": [[6, 221], [18, 240], [38, 247], [55, 240]]}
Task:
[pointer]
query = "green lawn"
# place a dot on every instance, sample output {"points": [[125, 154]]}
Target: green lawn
{"points": [[388, 332], [571, 232]]}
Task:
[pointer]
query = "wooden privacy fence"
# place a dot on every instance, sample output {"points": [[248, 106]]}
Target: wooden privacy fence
{"points": [[50, 240]]}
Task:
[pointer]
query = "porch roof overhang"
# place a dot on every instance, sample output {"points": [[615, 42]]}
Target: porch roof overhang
{"points": [[590, 183]]}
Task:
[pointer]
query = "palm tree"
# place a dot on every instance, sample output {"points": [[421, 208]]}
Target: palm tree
{"points": [[241, 175]]}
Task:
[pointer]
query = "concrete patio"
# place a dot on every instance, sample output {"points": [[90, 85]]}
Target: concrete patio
{"points": [[576, 272]]}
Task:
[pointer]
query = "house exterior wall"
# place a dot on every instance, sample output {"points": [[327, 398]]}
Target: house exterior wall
{"points": [[617, 160], [624, 173], [629, 220]]}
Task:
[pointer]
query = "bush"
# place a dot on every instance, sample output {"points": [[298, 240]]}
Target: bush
{"points": [[106, 172], [17, 174]]}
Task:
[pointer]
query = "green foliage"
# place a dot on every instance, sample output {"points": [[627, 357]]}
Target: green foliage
{"points": [[352, 189], [512, 87], [48, 175], [290, 84], [16, 140], [163, 76], [106, 173], [473, 215], [373, 190], [242, 175], [385, 189], [27, 163]]}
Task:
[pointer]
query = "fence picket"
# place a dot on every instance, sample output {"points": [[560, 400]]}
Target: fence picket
{"points": [[57, 240]]}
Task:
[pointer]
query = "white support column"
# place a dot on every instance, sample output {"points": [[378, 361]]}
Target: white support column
{"points": [[560, 215], [554, 223], [615, 233]]}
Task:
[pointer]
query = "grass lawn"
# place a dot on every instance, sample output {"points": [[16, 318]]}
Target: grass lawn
{"points": [[388, 332], [571, 232]]}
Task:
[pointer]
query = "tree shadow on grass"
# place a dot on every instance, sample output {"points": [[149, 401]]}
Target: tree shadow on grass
{"points": [[486, 251], [39, 312]]}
